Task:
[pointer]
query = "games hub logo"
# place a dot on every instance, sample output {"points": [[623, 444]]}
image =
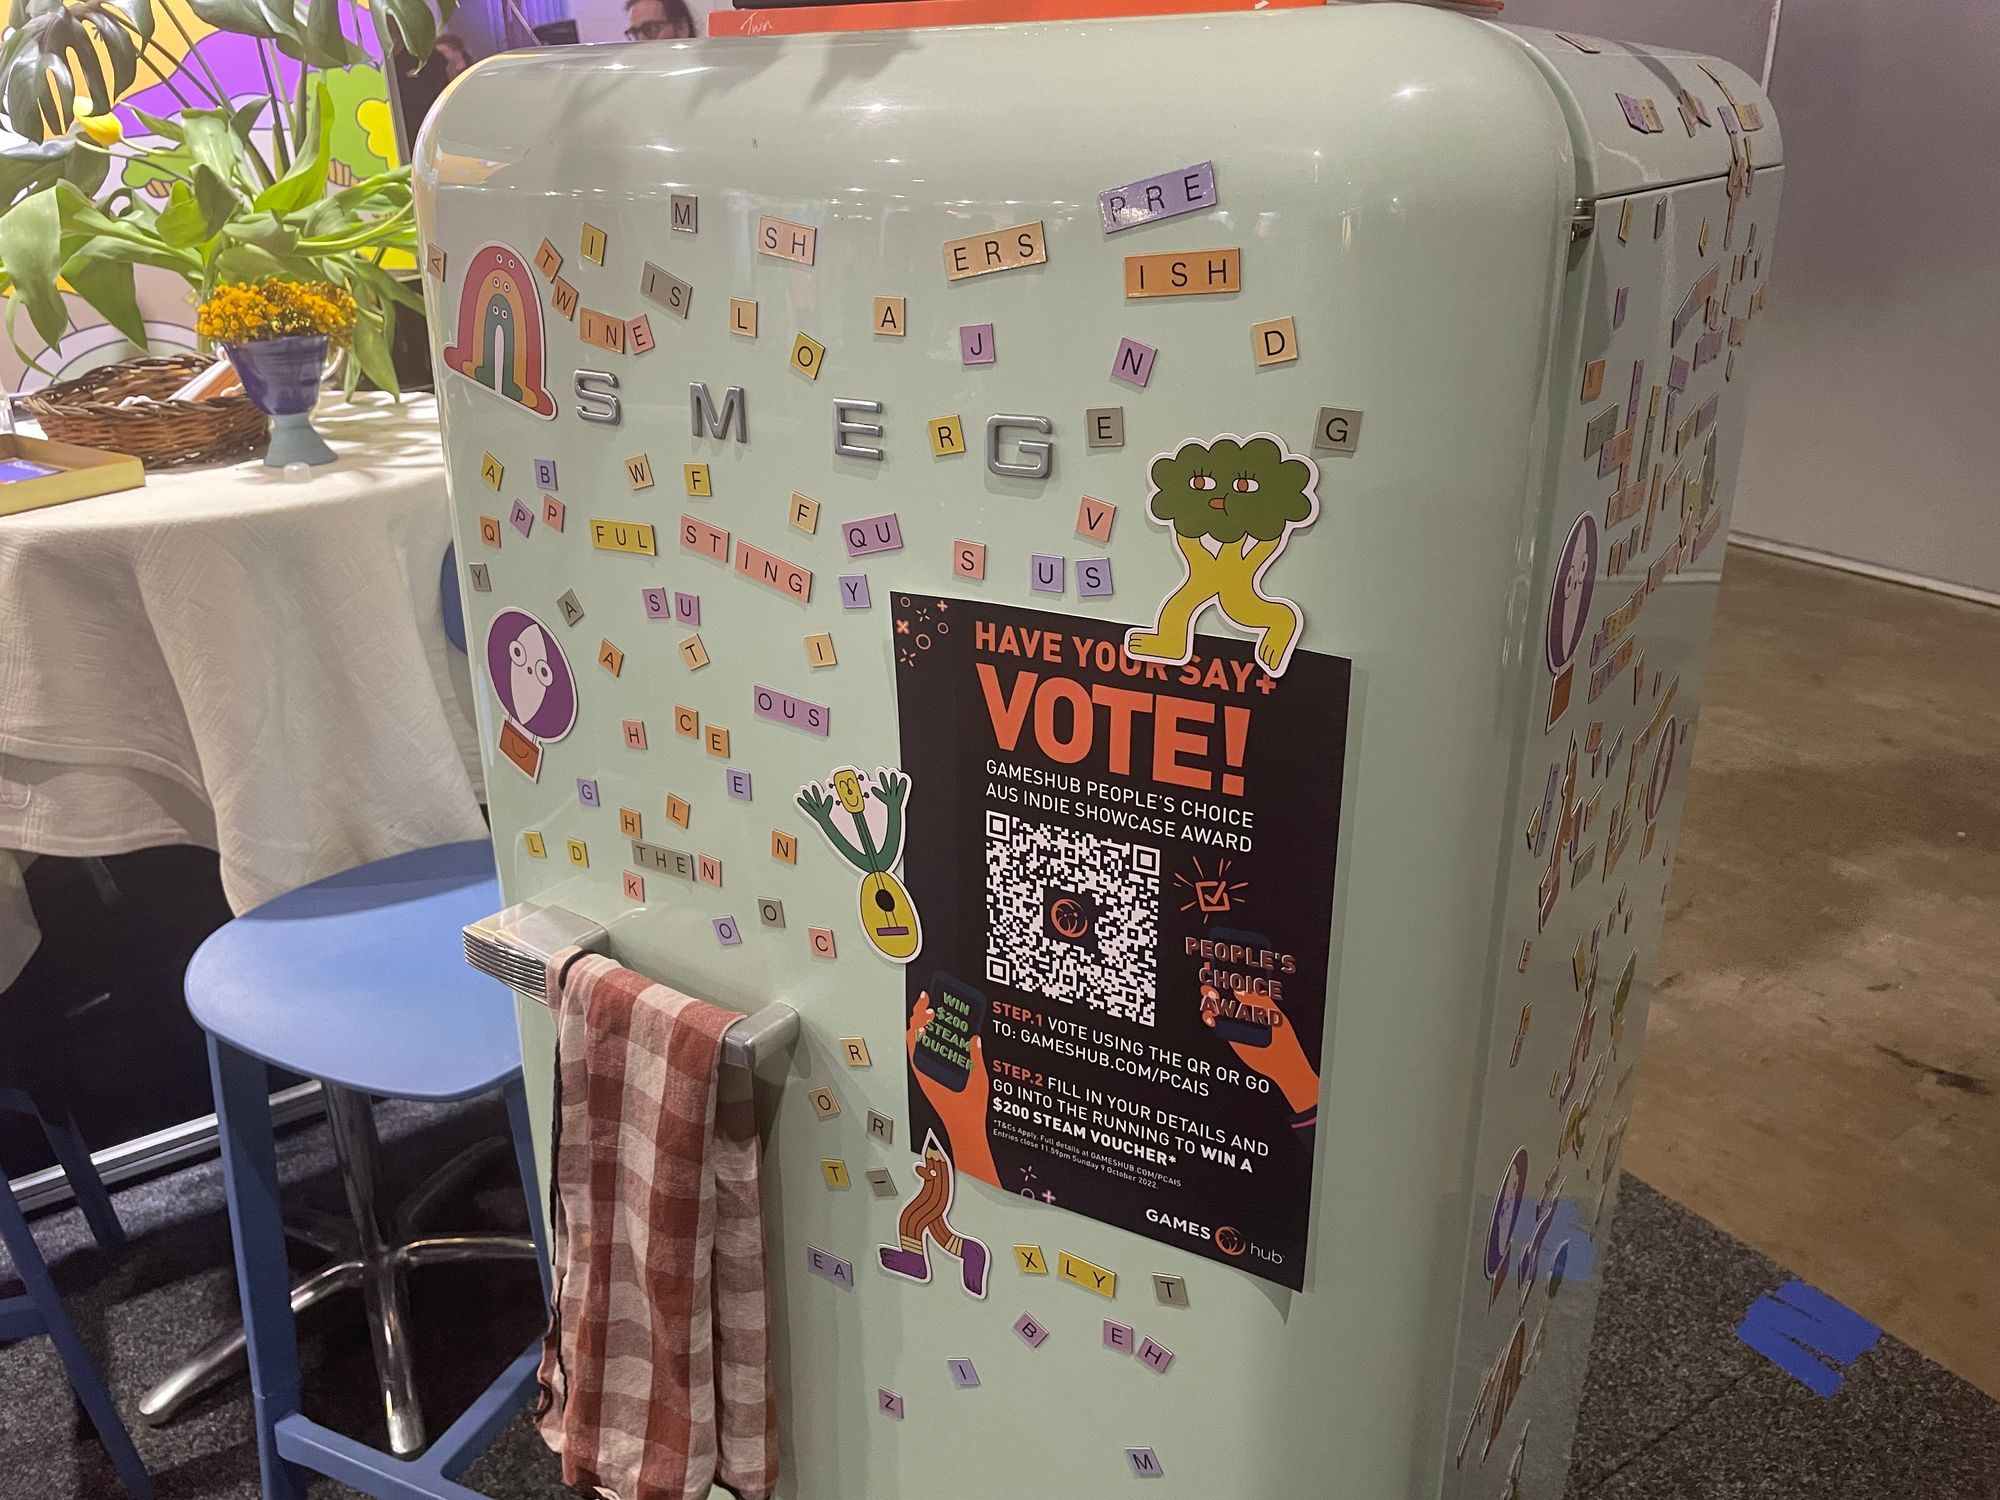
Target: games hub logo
{"points": [[1070, 916], [1227, 1238]]}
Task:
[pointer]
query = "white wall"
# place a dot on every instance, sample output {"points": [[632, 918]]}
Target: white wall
{"points": [[1876, 372], [1875, 403], [1734, 30]]}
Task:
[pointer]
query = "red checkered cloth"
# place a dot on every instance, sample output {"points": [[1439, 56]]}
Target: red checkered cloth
{"points": [[656, 1368]]}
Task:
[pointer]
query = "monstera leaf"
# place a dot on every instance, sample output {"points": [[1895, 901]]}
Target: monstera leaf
{"points": [[50, 46], [209, 197], [410, 24], [31, 167]]}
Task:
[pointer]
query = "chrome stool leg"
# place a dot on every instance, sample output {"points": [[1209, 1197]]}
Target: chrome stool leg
{"points": [[359, 1150], [414, 1213], [450, 1249], [223, 1356], [374, 1249]]}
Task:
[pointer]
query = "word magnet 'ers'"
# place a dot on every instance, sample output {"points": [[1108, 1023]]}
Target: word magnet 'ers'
{"points": [[862, 817], [499, 340], [531, 677]]}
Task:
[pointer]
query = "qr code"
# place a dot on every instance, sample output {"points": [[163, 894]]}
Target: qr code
{"points": [[1071, 917]]}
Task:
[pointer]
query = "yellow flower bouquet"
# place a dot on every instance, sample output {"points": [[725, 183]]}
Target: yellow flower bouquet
{"points": [[275, 309], [276, 332]]}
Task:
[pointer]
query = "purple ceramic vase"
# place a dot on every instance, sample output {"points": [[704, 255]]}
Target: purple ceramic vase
{"points": [[282, 377]]}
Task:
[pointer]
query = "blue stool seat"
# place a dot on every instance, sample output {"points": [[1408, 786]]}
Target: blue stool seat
{"points": [[360, 979]]}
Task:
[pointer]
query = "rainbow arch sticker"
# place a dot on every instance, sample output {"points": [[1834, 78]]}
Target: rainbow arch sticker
{"points": [[499, 344]]}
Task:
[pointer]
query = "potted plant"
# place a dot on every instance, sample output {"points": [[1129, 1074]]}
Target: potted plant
{"points": [[276, 334], [233, 212]]}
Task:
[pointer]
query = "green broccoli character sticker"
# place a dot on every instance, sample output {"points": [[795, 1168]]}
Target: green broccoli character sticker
{"points": [[1231, 503]]}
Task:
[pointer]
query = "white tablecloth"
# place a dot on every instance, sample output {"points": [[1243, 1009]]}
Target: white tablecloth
{"points": [[231, 659]]}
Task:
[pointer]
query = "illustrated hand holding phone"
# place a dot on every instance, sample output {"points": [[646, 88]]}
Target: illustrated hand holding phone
{"points": [[958, 1090], [1282, 1059]]}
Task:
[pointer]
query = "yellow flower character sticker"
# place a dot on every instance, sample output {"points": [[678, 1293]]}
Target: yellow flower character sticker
{"points": [[1231, 503]]}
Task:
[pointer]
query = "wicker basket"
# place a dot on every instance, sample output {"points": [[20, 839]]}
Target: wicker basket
{"points": [[160, 433]]}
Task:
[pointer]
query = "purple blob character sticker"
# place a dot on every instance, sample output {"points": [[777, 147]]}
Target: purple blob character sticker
{"points": [[532, 680], [1569, 600]]}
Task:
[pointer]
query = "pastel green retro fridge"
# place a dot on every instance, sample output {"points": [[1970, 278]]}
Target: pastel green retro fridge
{"points": [[1134, 592]]}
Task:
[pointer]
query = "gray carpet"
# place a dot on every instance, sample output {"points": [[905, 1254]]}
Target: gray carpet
{"points": [[1676, 1407]]}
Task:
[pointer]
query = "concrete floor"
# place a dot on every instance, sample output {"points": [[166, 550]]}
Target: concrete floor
{"points": [[1822, 1075]]}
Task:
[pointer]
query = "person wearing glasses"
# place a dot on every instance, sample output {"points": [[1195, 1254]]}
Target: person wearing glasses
{"points": [[657, 20]]}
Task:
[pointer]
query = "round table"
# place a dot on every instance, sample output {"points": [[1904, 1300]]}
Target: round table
{"points": [[232, 659]]}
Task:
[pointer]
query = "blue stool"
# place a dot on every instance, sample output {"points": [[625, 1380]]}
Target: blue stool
{"points": [[39, 1309], [72, 1154], [360, 981]]}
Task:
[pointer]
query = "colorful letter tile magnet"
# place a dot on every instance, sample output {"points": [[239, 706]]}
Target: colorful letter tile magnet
{"points": [[1133, 363], [1031, 1332]]}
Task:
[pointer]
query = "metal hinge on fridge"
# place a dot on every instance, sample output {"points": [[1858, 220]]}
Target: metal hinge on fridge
{"points": [[1583, 221]]}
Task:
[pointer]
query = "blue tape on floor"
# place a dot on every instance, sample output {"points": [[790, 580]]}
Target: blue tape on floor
{"points": [[1808, 1335]]}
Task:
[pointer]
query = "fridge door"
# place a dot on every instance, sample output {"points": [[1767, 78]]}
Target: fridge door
{"points": [[620, 238]]}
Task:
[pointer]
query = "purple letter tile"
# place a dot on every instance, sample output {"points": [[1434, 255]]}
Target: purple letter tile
{"points": [[783, 708], [1185, 190], [875, 534], [1032, 1333], [832, 1267], [1093, 577], [1134, 363], [975, 344]]}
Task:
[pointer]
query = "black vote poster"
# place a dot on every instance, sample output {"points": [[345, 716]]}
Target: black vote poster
{"points": [[1125, 875]]}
